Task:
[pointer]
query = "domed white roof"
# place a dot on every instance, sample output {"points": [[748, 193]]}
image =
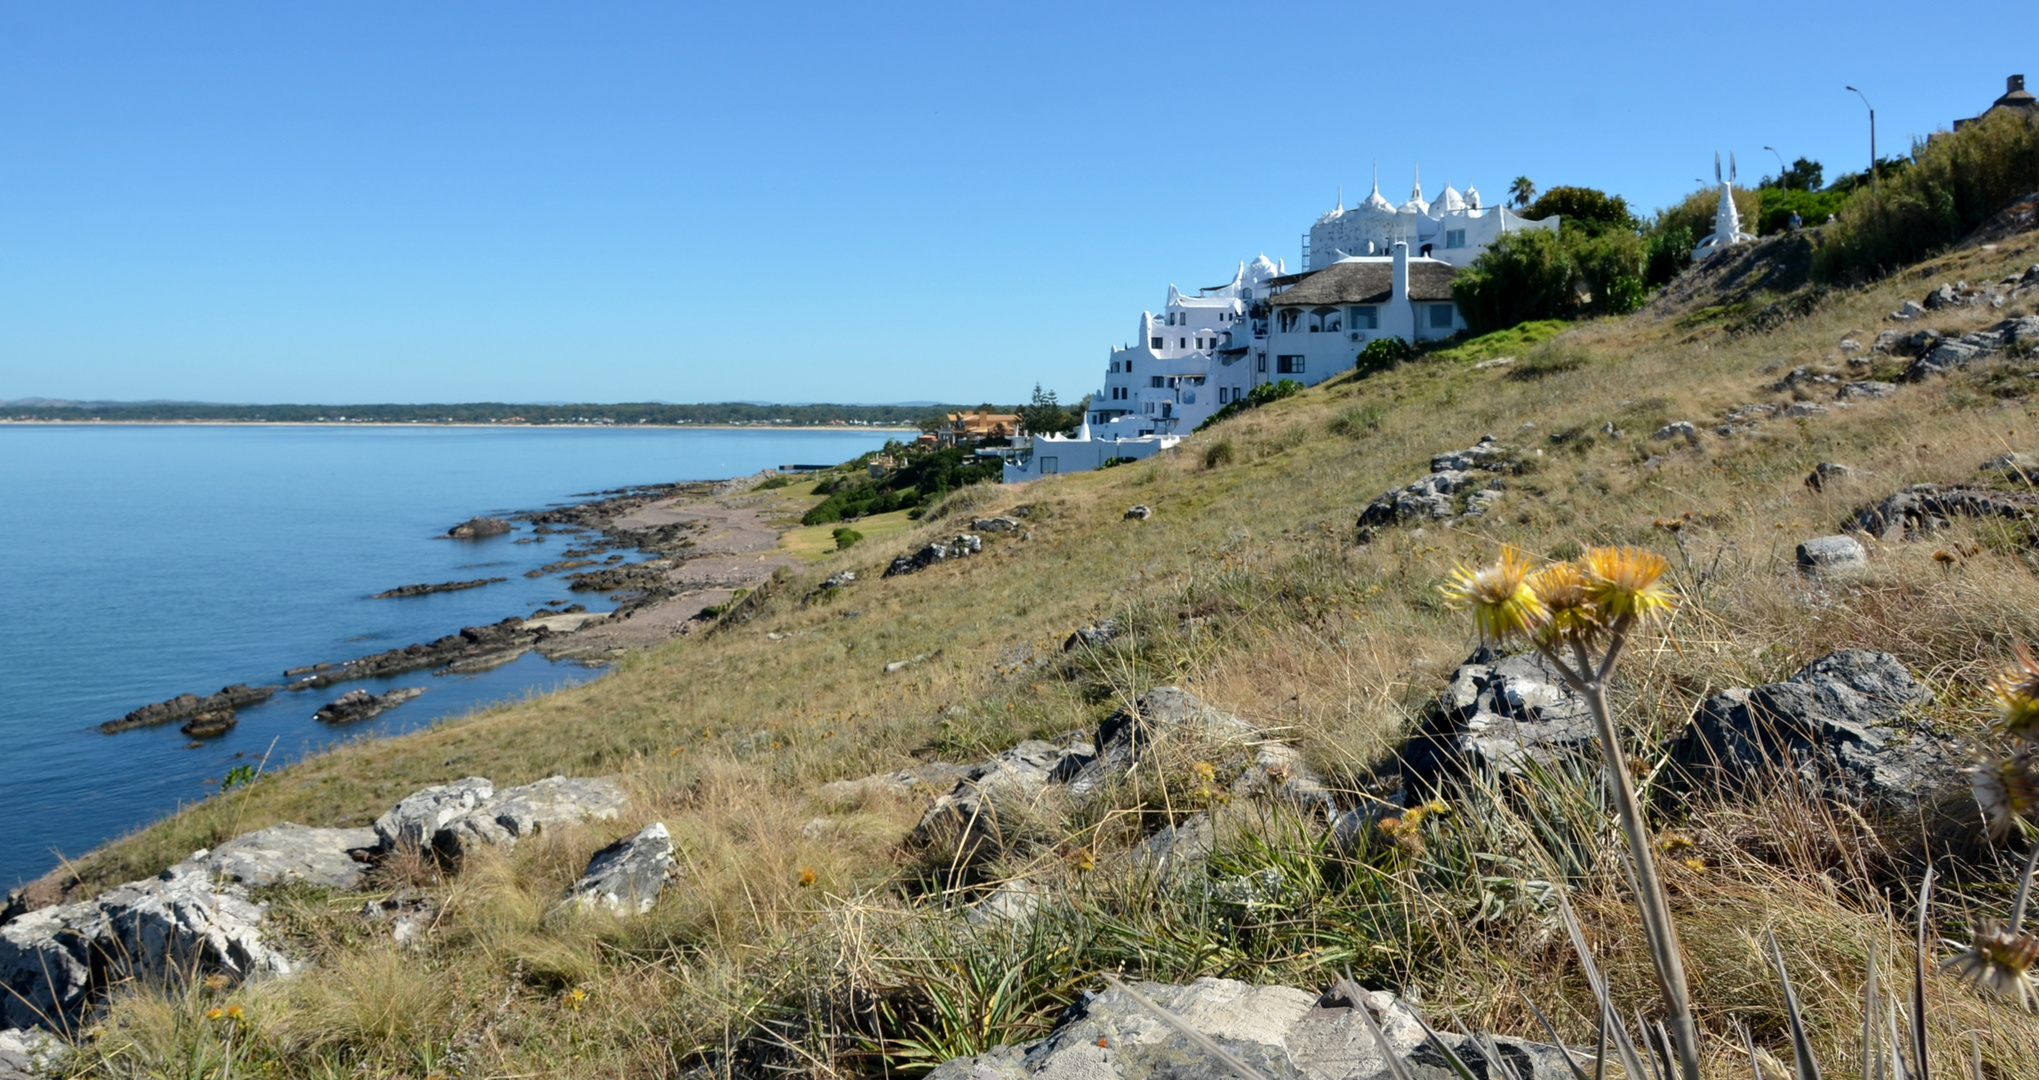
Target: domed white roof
{"points": [[1449, 201], [1260, 269], [1376, 204], [1472, 197]]}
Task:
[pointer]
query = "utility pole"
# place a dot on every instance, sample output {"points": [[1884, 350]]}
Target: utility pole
{"points": [[1872, 133]]}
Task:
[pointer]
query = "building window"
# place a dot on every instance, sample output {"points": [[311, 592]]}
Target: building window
{"points": [[1224, 395], [1287, 319], [1440, 316], [1049, 465], [1154, 343], [1366, 318], [1156, 382], [1182, 343], [1288, 365], [1262, 365], [1454, 238]]}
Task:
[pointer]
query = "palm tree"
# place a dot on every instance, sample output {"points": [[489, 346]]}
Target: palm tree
{"points": [[1522, 191]]}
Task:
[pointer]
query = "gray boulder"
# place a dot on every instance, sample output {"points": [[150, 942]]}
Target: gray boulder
{"points": [[1164, 711], [519, 812], [46, 964], [1139, 513], [2021, 468], [980, 816], [1829, 473], [1923, 509], [1677, 429], [26, 1053], [1496, 715], [1285, 1033], [995, 525], [414, 821], [1096, 635], [626, 877], [180, 921], [1804, 408], [1832, 556], [1435, 497], [960, 546], [1866, 390], [290, 852], [1844, 725]]}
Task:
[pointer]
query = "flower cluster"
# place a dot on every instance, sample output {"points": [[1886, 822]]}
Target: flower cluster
{"points": [[2001, 957], [1604, 591]]}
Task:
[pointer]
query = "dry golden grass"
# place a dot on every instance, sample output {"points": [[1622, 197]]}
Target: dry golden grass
{"points": [[790, 934]]}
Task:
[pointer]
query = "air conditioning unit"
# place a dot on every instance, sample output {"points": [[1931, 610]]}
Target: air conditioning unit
{"points": [[1356, 335]]}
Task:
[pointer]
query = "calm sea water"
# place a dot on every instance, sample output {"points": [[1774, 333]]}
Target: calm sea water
{"points": [[142, 562]]}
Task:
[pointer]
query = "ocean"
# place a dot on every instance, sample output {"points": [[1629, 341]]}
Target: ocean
{"points": [[142, 562]]}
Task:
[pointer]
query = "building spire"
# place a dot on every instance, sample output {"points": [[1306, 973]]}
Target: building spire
{"points": [[1376, 176], [1416, 192], [1341, 198]]}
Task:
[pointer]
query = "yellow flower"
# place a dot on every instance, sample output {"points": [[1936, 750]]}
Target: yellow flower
{"points": [[214, 1014], [2000, 961], [2017, 691], [1502, 603], [1566, 593], [233, 1012], [2007, 789], [806, 877], [1627, 581]]}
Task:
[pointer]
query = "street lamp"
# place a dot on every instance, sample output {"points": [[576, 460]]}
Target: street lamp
{"points": [[1872, 132], [1780, 165]]}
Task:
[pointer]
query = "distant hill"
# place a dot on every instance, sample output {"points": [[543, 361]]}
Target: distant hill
{"points": [[487, 412]]}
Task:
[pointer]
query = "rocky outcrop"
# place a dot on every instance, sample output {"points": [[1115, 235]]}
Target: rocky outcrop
{"points": [[1923, 509], [960, 546], [627, 877], [206, 725], [994, 525], [1095, 636], [472, 643], [427, 590], [513, 814], [1938, 356], [1846, 724], [179, 923], [332, 858], [414, 821], [1497, 715], [479, 527], [185, 706], [357, 705], [1461, 482], [28, 1053], [1281, 1031]]}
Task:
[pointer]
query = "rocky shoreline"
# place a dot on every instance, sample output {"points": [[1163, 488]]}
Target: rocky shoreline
{"points": [[669, 525]]}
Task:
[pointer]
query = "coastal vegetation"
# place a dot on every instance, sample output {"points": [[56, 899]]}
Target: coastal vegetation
{"points": [[809, 933], [917, 477]]}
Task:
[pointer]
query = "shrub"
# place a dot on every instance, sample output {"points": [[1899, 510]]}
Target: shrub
{"points": [[1588, 209], [1219, 453], [1668, 253], [1956, 182], [923, 478], [1524, 276], [1382, 354], [846, 537], [1778, 204], [1256, 397], [1359, 419], [774, 483]]}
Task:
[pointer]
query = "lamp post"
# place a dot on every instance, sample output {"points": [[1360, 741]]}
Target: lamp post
{"points": [[1780, 165], [1872, 132]]}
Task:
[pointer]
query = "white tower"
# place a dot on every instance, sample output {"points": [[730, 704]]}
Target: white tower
{"points": [[1727, 221]]}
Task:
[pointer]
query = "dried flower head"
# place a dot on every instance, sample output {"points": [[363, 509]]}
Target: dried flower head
{"points": [[2000, 960], [2017, 691], [1566, 593], [2007, 789], [1499, 596], [1628, 581]]}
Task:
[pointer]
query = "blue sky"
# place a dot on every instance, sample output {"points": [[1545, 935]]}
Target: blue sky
{"points": [[604, 201]]}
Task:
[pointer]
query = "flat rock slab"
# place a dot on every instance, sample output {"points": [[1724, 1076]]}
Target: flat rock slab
{"points": [[1844, 725], [414, 821], [520, 812], [1286, 1033], [627, 877], [290, 852]]}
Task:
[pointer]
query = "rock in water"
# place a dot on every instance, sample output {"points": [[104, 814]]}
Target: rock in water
{"points": [[519, 812], [1286, 1033], [477, 528], [426, 590], [1498, 714], [183, 706], [626, 877], [415, 820], [1842, 725], [357, 705], [290, 852], [208, 724]]}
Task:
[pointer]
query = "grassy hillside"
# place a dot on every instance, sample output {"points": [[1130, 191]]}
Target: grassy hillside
{"points": [[805, 935]]}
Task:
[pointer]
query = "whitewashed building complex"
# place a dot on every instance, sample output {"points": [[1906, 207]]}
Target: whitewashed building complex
{"points": [[1201, 353]]}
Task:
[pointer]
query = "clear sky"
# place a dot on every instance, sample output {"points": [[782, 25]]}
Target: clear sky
{"points": [[356, 202]]}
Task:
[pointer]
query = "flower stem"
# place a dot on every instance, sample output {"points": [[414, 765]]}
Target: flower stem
{"points": [[2024, 887]]}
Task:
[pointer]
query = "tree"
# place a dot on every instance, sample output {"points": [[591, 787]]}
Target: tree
{"points": [[1804, 174], [1045, 415], [1522, 191], [1590, 209]]}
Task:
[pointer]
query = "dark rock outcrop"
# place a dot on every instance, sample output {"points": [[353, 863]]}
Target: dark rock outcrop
{"points": [[2016, 335], [357, 705], [185, 706], [1926, 508], [480, 527], [1285, 1033], [1097, 635], [960, 546], [208, 724], [1442, 495], [427, 590], [1497, 715], [1845, 724], [470, 643]]}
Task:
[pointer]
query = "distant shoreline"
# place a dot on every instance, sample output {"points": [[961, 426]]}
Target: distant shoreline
{"points": [[4, 421]]}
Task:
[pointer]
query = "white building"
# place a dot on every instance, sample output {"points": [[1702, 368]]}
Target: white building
{"points": [[1455, 229]]}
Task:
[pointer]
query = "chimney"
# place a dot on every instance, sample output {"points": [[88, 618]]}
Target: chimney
{"points": [[1401, 251], [2013, 84]]}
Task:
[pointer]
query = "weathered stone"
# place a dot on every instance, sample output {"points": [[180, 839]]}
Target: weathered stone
{"points": [[1172, 849], [1843, 724], [1805, 408], [1828, 473], [26, 1053], [1942, 297], [183, 706], [520, 812], [46, 964], [1866, 389], [961, 546], [626, 877], [414, 821], [1432, 497], [1832, 556], [209, 724], [1139, 513], [979, 816], [1911, 310], [1012, 901], [1850, 345], [995, 525], [477, 528], [1284, 1033], [2023, 468], [1095, 636], [357, 705], [290, 852], [1886, 341], [1497, 715], [1679, 429], [1164, 711], [179, 921], [1926, 508]]}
